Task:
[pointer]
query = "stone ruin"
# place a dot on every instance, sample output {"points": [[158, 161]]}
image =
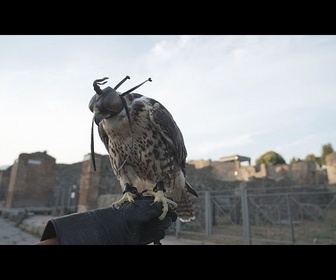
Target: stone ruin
{"points": [[35, 180]]}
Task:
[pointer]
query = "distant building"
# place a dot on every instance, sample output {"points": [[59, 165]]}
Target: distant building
{"points": [[35, 180], [331, 167], [31, 181], [230, 168]]}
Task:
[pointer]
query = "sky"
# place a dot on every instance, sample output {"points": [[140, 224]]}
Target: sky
{"points": [[229, 94]]}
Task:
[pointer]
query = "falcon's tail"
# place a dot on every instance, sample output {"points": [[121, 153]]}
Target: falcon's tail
{"points": [[185, 209]]}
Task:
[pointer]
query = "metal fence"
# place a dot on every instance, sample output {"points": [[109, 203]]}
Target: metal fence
{"points": [[276, 216]]}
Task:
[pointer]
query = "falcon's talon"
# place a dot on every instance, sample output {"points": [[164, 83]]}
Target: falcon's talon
{"points": [[166, 202], [127, 196]]}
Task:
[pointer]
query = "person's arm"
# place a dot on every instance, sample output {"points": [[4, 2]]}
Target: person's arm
{"points": [[50, 241], [134, 223]]}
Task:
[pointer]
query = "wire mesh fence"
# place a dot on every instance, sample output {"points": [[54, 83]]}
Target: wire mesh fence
{"points": [[261, 216]]}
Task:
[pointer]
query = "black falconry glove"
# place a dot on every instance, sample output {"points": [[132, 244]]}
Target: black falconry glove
{"points": [[133, 223]]}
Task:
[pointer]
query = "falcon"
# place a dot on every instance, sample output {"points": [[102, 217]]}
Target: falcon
{"points": [[145, 147]]}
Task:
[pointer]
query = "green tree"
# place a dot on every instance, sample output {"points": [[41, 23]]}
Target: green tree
{"points": [[270, 157], [313, 158], [326, 150]]}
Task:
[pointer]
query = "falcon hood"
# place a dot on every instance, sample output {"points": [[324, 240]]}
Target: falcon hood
{"points": [[107, 102]]}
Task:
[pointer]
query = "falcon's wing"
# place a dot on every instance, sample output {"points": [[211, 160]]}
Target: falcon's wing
{"points": [[167, 127]]}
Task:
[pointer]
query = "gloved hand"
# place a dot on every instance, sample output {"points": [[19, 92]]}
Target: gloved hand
{"points": [[134, 223]]}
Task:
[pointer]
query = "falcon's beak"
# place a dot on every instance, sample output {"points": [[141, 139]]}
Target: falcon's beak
{"points": [[98, 117]]}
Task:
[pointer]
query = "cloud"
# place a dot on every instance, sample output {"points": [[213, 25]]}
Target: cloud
{"points": [[229, 94]]}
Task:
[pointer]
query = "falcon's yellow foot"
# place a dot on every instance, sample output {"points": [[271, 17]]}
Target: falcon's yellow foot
{"points": [[158, 193], [128, 195]]}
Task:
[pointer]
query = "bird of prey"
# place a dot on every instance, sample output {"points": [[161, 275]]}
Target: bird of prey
{"points": [[145, 146]]}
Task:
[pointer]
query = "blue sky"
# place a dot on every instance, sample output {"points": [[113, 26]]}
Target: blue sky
{"points": [[229, 94]]}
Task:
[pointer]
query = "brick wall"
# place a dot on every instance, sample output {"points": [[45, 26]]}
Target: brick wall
{"points": [[331, 167], [31, 180], [94, 184], [4, 182]]}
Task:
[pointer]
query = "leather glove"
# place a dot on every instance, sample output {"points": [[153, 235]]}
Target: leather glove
{"points": [[133, 223]]}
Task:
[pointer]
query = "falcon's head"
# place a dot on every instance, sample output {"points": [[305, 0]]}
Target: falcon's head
{"points": [[106, 103]]}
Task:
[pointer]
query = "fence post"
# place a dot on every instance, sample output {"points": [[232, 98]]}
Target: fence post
{"points": [[290, 217], [177, 228], [208, 215], [245, 216]]}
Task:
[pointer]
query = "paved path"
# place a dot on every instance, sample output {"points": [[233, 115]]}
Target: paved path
{"points": [[12, 235], [172, 240]]}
